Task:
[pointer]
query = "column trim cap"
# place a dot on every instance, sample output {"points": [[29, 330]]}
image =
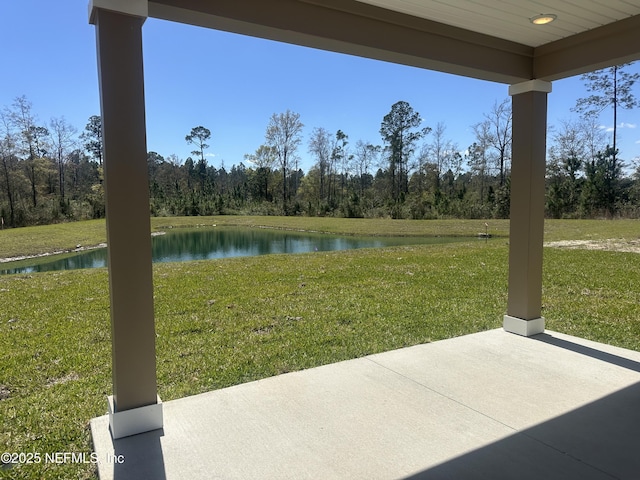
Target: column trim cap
{"points": [[136, 8], [530, 86]]}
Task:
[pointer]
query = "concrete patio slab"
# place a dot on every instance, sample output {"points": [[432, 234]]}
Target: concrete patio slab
{"points": [[488, 405]]}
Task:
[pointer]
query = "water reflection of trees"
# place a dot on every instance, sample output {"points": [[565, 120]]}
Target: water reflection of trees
{"points": [[222, 242]]}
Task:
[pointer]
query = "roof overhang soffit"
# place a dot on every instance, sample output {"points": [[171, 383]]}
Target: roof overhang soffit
{"points": [[601, 47], [356, 28]]}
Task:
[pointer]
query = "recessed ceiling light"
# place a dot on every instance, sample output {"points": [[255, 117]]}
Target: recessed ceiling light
{"points": [[543, 18]]}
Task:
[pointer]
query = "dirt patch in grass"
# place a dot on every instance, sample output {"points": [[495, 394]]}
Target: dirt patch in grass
{"points": [[4, 392], [67, 378], [611, 245]]}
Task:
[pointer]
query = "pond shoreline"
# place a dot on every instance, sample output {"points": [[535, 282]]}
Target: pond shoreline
{"points": [[214, 243], [77, 249], [82, 248], [609, 245]]}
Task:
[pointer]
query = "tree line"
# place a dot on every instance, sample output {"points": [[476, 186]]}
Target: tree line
{"points": [[51, 172]]}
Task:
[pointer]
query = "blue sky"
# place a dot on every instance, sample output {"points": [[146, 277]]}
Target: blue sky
{"points": [[232, 84]]}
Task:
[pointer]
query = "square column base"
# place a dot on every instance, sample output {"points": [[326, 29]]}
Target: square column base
{"points": [[526, 328], [134, 421]]}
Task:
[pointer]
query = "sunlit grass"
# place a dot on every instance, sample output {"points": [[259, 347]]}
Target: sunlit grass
{"points": [[51, 238], [594, 295], [556, 230], [54, 338], [242, 319]]}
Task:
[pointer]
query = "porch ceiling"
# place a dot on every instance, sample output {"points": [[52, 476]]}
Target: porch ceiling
{"points": [[510, 19], [487, 39]]}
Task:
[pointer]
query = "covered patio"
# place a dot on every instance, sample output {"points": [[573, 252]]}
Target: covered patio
{"points": [[493, 40], [491, 405]]}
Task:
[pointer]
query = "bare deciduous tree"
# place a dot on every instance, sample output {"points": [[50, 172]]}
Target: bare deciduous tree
{"points": [[63, 142], [365, 156], [263, 159], [441, 153], [320, 146], [31, 142], [8, 158], [498, 128], [284, 134]]}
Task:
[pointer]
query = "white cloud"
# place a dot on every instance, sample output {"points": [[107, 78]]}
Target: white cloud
{"points": [[621, 125], [210, 155]]}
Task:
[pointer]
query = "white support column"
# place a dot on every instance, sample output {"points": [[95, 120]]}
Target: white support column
{"points": [[526, 230], [134, 407]]}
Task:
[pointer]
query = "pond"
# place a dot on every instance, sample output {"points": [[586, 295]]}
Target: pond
{"points": [[180, 245]]}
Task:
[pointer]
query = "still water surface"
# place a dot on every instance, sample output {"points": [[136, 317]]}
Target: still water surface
{"points": [[180, 245]]}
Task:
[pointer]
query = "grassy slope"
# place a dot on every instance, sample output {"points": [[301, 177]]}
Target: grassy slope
{"points": [[51, 238], [224, 322]]}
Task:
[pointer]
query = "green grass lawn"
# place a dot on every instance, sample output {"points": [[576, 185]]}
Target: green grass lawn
{"points": [[224, 322]]}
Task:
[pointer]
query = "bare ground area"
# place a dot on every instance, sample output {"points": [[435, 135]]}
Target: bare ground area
{"points": [[611, 245]]}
